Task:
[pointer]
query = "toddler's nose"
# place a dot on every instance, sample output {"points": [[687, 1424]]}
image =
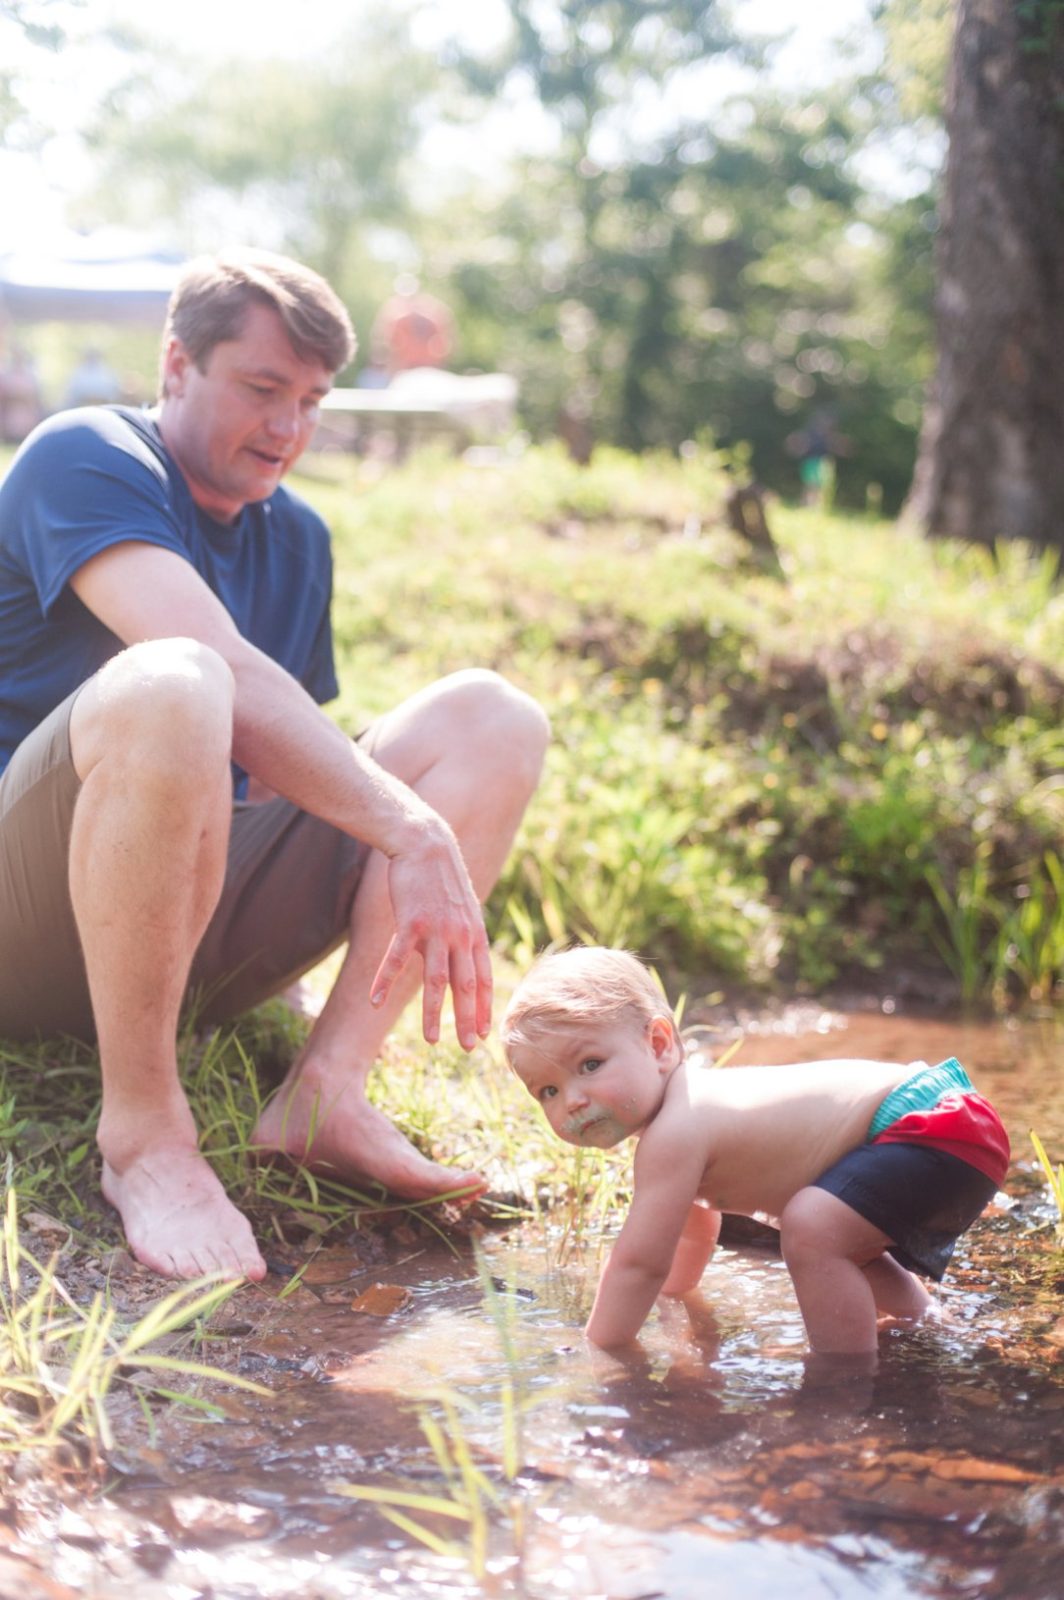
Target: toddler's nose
{"points": [[576, 1097]]}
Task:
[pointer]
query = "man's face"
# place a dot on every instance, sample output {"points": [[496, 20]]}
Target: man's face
{"points": [[236, 428]]}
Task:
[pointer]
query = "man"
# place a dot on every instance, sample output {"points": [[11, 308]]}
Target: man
{"points": [[163, 614]]}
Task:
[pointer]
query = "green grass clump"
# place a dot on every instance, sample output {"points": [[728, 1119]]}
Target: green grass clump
{"points": [[1055, 1179], [61, 1361]]}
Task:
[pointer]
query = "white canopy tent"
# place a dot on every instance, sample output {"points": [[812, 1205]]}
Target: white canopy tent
{"points": [[106, 277]]}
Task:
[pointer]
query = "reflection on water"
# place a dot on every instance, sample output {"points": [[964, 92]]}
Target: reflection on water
{"points": [[720, 1460]]}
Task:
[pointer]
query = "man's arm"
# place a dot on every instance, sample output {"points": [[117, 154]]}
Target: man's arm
{"points": [[286, 741], [667, 1176]]}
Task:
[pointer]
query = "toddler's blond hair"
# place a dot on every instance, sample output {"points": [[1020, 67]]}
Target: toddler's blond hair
{"points": [[586, 984]]}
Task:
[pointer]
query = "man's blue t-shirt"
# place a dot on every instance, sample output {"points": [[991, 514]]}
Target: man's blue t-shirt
{"points": [[100, 476]]}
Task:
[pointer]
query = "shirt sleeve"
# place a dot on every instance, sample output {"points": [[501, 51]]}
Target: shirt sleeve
{"points": [[91, 483]]}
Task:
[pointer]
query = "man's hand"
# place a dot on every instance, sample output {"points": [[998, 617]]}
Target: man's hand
{"points": [[438, 916]]}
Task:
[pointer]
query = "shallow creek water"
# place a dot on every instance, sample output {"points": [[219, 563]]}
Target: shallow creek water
{"points": [[721, 1462]]}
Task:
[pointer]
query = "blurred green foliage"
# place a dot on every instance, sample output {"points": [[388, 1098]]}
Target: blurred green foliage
{"points": [[652, 275], [917, 40], [30, 21], [302, 155]]}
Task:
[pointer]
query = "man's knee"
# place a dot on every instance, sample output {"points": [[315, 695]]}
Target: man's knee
{"points": [[498, 720], [165, 702]]}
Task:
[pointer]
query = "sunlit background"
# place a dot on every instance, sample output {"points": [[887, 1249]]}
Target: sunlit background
{"points": [[662, 223]]}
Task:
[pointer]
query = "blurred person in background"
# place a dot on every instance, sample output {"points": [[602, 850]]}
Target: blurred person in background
{"points": [[21, 407], [412, 329], [92, 382]]}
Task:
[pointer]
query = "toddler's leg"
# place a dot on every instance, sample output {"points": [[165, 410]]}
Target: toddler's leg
{"points": [[897, 1292], [827, 1247]]}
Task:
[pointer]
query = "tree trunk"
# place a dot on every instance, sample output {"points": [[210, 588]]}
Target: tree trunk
{"points": [[991, 457]]}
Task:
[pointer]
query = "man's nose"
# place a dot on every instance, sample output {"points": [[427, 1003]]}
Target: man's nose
{"points": [[283, 421]]}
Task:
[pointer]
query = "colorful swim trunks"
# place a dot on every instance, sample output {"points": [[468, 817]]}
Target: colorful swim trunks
{"points": [[938, 1107], [935, 1154]]}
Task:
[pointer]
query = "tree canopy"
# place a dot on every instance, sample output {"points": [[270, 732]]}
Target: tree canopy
{"points": [[673, 259], [27, 22]]}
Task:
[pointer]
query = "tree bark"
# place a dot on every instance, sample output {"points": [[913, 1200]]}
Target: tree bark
{"points": [[991, 458]]}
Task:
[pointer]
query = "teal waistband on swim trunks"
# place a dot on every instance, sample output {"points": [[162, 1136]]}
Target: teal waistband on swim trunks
{"points": [[919, 1093]]}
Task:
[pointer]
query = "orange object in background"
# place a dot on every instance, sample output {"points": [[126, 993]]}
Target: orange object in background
{"points": [[412, 329]]}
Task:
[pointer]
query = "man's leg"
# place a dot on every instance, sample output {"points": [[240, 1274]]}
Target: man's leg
{"points": [[150, 738], [472, 747]]}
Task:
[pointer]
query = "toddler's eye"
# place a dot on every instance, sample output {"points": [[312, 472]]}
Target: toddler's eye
{"points": [[592, 1064], [548, 1092]]}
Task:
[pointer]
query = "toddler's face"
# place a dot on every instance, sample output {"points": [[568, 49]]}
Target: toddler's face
{"points": [[598, 1083]]}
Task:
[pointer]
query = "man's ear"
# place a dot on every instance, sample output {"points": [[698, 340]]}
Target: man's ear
{"points": [[664, 1040], [176, 362]]}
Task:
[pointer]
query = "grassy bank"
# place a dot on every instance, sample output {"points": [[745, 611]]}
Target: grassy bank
{"points": [[759, 777], [762, 778]]}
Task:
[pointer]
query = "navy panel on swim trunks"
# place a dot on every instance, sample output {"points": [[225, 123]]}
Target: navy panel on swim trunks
{"points": [[922, 1199]]}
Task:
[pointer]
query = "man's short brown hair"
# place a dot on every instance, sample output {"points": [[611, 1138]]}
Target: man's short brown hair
{"points": [[212, 296]]}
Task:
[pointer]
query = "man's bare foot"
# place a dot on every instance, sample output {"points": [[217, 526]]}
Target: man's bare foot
{"points": [[178, 1219], [349, 1139]]}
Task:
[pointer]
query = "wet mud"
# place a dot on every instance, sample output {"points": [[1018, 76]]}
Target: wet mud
{"points": [[722, 1460]]}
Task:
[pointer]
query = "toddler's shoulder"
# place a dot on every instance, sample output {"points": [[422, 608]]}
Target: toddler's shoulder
{"points": [[677, 1136]]}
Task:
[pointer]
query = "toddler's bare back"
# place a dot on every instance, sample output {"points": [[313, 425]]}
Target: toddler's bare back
{"points": [[769, 1131]]}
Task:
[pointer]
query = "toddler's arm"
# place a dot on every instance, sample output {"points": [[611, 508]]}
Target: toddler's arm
{"points": [[697, 1243], [666, 1183], [626, 1292]]}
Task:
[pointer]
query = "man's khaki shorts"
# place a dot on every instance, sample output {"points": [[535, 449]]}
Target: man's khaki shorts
{"points": [[289, 887]]}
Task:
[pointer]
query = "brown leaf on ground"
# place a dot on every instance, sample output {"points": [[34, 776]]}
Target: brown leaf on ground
{"points": [[200, 1514], [331, 1266], [45, 1226], [805, 1489], [968, 1469], [382, 1299]]}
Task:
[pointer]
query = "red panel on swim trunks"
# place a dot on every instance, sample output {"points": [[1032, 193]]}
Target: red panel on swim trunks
{"points": [[963, 1125]]}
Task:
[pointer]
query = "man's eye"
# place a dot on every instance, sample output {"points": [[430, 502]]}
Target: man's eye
{"points": [[592, 1064], [548, 1093]]}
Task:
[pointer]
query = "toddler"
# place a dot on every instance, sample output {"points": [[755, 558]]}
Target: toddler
{"points": [[872, 1168]]}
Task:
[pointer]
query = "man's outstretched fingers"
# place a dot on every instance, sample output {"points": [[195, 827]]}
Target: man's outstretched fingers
{"points": [[395, 959], [434, 988], [464, 993], [485, 985]]}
